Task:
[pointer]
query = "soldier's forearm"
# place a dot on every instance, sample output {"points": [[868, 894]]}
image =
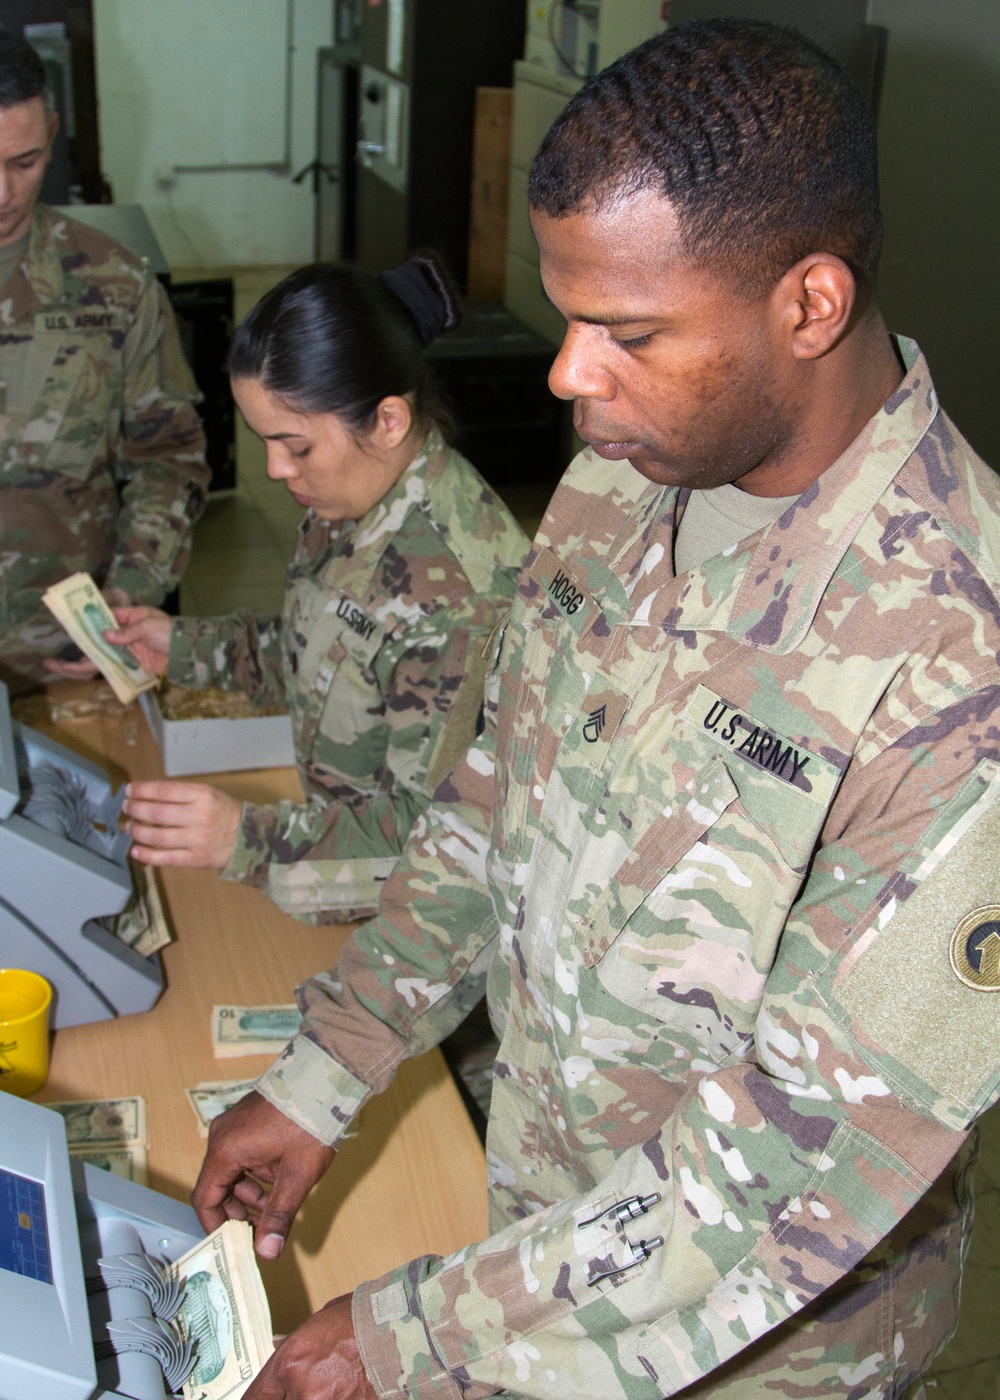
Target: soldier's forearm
{"points": [[154, 531], [323, 854]]}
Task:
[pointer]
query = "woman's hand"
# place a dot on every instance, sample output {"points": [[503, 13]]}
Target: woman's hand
{"points": [[147, 632], [182, 824]]}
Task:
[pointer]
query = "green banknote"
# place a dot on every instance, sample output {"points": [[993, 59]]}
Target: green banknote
{"points": [[252, 1030]]}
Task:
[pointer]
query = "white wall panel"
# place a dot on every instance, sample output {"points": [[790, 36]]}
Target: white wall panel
{"points": [[203, 83]]}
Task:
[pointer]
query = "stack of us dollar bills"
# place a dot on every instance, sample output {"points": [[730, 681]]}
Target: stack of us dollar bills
{"points": [[108, 1133], [224, 1312], [253, 1030], [78, 605]]}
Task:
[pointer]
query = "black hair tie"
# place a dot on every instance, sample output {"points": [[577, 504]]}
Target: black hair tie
{"points": [[421, 298]]}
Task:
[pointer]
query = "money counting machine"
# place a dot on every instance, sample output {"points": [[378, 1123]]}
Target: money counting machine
{"points": [[82, 1279], [63, 867]]}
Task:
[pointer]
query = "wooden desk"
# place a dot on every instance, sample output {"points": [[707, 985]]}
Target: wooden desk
{"points": [[412, 1182]]}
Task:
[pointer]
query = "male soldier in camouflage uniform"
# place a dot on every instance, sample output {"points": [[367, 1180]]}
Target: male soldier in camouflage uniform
{"points": [[724, 856], [102, 463]]}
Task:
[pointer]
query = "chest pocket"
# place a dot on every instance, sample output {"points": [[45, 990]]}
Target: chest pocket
{"points": [[64, 398], [686, 930]]}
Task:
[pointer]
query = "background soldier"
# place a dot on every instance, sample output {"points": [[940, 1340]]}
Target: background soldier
{"points": [[102, 464], [724, 855]]}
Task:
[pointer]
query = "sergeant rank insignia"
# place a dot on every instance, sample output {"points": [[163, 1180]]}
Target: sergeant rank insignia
{"points": [[975, 949]]}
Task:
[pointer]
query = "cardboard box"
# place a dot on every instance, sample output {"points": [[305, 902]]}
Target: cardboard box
{"points": [[219, 745]]}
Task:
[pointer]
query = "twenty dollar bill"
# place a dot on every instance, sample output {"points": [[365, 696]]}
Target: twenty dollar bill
{"points": [[77, 603], [129, 1161], [252, 1030], [108, 1133], [103, 1123]]}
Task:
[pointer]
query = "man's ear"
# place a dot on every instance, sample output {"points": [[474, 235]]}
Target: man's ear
{"points": [[815, 299]]}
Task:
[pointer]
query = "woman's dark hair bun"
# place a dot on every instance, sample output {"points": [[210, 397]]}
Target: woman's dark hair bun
{"points": [[426, 288], [332, 338]]}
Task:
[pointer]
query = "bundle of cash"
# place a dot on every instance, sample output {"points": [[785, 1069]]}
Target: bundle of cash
{"points": [[77, 604], [142, 924], [252, 1030], [108, 1133], [224, 1311], [214, 1096]]}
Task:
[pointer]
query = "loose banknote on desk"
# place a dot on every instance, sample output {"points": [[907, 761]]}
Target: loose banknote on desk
{"points": [[214, 1096], [224, 1311], [252, 1030], [78, 605], [108, 1133]]}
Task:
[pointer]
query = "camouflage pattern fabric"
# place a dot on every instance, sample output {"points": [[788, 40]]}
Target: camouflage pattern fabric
{"points": [[102, 464], [716, 858], [379, 655]]}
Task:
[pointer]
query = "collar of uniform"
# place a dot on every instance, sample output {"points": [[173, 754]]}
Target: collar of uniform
{"points": [[39, 280], [362, 545], [769, 589], [777, 584]]}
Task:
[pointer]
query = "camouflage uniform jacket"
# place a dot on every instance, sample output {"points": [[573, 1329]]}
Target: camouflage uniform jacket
{"points": [[713, 858], [379, 656], [102, 463]]}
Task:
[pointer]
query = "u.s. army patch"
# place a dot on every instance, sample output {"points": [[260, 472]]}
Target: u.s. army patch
{"points": [[975, 949], [360, 633], [74, 320], [751, 739]]}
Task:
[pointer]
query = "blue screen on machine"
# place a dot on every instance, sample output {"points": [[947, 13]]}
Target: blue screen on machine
{"points": [[24, 1235]]}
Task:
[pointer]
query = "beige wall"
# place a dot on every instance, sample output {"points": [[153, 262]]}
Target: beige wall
{"points": [[939, 135]]}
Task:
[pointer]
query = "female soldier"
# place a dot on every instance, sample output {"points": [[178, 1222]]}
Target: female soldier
{"points": [[405, 561]]}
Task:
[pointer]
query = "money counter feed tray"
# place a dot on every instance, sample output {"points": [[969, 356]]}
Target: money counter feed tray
{"points": [[53, 889]]}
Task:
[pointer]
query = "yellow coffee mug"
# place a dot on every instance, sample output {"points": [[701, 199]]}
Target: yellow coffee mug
{"points": [[24, 1030]]}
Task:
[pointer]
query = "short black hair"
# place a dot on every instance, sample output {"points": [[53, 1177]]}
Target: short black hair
{"points": [[22, 73], [333, 338], [761, 142]]}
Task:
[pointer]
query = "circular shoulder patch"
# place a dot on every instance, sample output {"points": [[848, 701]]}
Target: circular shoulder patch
{"points": [[975, 949]]}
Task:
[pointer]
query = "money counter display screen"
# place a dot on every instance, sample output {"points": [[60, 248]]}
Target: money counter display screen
{"points": [[24, 1235]]}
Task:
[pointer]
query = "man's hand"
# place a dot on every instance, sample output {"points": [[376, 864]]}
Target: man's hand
{"points": [[259, 1164], [83, 669], [182, 824], [147, 632], [318, 1361]]}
